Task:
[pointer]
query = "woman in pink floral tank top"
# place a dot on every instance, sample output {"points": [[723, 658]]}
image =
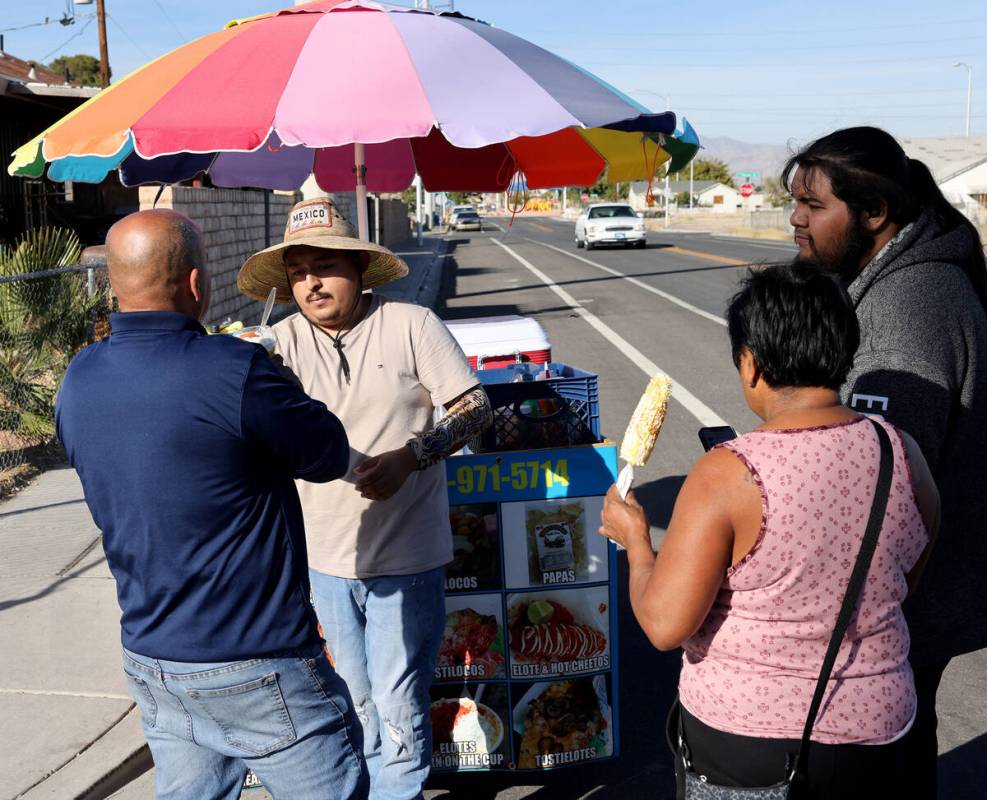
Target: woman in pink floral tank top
{"points": [[758, 554]]}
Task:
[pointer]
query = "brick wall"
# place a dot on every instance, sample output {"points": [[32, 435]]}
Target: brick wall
{"points": [[232, 221]]}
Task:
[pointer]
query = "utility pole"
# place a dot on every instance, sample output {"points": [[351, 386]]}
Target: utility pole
{"points": [[692, 168], [668, 107], [104, 56]]}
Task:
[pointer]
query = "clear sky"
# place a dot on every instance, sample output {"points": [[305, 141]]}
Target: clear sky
{"points": [[757, 71]]}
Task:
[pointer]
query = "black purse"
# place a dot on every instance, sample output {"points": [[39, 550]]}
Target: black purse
{"points": [[692, 786]]}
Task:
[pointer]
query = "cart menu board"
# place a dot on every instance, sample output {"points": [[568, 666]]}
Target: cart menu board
{"points": [[525, 676]]}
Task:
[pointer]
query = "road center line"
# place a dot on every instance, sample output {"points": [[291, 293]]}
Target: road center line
{"points": [[693, 404], [671, 298], [685, 251]]}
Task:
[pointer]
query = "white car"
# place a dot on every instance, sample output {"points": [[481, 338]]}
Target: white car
{"points": [[455, 212], [610, 223], [466, 221]]}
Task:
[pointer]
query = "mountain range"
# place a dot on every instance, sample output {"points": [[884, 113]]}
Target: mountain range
{"points": [[764, 159]]}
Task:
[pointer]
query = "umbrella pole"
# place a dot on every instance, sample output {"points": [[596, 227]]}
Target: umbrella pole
{"points": [[418, 207], [360, 168]]}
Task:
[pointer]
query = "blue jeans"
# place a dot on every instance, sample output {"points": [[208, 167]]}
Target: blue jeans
{"points": [[287, 717], [383, 636]]}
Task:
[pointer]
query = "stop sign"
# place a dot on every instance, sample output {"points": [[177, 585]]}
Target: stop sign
{"points": [[746, 189]]}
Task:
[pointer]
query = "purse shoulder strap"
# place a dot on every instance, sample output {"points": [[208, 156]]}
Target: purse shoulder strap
{"points": [[854, 588]]}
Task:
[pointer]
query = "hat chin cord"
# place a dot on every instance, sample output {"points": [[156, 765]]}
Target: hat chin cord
{"points": [[337, 340]]}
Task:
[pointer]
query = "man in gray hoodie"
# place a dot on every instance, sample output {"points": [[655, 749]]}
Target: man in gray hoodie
{"points": [[914, 267]]}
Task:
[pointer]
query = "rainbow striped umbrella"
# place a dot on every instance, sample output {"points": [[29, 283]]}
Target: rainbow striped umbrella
{"points": [[346, 88]]}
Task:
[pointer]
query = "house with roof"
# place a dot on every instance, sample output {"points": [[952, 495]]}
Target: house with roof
{"points": [[711, 195], [33, 97], [959, 165]]}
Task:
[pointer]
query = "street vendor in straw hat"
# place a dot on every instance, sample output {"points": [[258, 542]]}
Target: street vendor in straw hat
{"points": [[378, 540]]}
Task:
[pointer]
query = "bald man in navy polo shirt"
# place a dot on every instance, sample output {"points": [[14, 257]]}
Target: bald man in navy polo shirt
{"points": [[188, 446]]}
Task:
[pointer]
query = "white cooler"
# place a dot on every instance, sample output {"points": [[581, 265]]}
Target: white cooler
{"points": [[492, 342]]}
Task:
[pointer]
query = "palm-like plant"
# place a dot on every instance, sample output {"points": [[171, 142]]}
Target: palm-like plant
{"points": [[43, 322]]}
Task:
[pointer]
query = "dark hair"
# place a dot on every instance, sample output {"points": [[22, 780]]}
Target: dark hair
{"points": [[798, 323], [869, 170]]}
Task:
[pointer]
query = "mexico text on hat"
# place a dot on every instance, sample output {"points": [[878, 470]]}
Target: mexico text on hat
{"points": [[315, 215]]}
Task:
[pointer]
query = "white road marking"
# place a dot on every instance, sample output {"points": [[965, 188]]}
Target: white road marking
{"points": [[671, 298], [695, 406]]}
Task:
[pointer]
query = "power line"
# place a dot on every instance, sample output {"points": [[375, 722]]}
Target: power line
{"points": [[786, 64], [780, 116], [823, 110], [799, 48], [167, 16], [944, 90], [697, 35], [74, 36], [129, 37], [48, 21]]}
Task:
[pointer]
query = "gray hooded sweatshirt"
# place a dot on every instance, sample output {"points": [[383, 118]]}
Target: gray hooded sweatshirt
{"points": [[922, 365]]}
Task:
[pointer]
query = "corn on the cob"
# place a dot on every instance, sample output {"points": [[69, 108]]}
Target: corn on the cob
{"points": [[642, 430]]}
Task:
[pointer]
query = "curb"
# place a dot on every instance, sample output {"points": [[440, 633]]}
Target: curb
{"points": [[428, 290], [116, 758]]}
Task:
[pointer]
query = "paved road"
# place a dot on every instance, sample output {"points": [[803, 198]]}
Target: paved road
{"points": [[621, 313]]}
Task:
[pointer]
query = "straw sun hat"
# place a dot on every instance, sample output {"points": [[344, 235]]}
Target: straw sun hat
{"points": [[316, 223]]}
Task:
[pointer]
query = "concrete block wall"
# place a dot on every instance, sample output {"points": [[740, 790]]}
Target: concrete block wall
{"points": [[346, 205], [232, 222], [395, 225], [769, 219]]}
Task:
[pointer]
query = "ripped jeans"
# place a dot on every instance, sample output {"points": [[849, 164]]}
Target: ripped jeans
{"points": [[383, 635]]}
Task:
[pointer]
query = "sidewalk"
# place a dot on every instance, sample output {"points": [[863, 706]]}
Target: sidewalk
{"points": [[425, 264], [63, 697], [69, 726]]}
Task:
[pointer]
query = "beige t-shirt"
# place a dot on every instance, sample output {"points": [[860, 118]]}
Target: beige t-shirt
{"points": [[403, 363]]}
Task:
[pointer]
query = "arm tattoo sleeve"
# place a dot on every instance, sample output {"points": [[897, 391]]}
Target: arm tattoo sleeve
{"points": [[466, 418]]}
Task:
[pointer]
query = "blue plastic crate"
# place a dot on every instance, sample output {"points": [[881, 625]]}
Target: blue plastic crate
{"points": [[560, 411]]}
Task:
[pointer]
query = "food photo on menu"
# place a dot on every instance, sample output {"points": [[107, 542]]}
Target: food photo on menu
{"points": [[559, 632], [547, 542], [472, 646], [562, 722], [469, 727], [475, 548]]}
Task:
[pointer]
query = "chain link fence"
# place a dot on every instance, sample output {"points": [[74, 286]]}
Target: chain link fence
{"points": [[46, 317]]}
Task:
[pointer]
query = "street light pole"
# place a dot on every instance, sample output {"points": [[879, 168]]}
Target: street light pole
{"points": [[969, 90], [104, 56]]}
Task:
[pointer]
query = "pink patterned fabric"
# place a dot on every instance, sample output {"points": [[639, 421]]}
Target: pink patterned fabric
{"points": [[752, 666]]}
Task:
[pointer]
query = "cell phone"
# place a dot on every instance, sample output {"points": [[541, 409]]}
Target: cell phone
{"points": [[710, 437]]}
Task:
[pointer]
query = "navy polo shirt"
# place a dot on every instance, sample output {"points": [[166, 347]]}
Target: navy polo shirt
{"points": [[188, 446]]}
